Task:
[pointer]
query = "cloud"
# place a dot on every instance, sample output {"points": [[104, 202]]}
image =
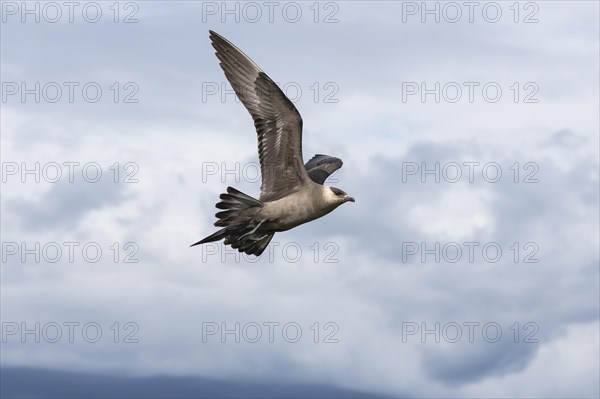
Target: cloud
{"points": [[66, 204]]}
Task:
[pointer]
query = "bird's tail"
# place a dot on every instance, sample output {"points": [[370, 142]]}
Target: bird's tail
{"points": [[240, 229]]}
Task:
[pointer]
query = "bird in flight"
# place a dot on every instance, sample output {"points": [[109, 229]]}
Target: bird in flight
{"points": [[292, 193]]}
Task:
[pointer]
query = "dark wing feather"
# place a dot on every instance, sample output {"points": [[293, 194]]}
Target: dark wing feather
{"points": [[277, 121], [320, 167]]}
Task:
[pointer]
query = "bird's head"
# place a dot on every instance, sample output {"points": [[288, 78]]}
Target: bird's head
{"points": [[337, 196]]}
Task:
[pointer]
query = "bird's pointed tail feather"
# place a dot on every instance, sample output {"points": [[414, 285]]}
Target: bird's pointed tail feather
{"points": [[238, 222]]}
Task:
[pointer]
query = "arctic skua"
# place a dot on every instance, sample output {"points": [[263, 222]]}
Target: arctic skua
{"points": [[292, 193]]}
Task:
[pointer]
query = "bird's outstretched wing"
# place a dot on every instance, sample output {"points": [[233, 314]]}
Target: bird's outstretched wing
{"points": [[277, 121], [320, 167]]}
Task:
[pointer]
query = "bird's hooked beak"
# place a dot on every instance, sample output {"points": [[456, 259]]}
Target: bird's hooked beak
{"points": [[349, 199]]}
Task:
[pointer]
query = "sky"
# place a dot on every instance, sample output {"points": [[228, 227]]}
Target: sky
{"points": [[468, 266]]}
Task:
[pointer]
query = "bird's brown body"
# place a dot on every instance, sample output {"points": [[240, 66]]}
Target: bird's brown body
{"points": [[298, 208]]}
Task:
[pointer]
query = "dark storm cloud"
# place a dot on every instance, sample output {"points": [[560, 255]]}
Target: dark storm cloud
{"points": [[464, 364], [65, 203]]}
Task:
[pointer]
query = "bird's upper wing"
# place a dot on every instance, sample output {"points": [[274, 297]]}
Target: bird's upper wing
{"points": [[320, 167], [277, 121]]}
